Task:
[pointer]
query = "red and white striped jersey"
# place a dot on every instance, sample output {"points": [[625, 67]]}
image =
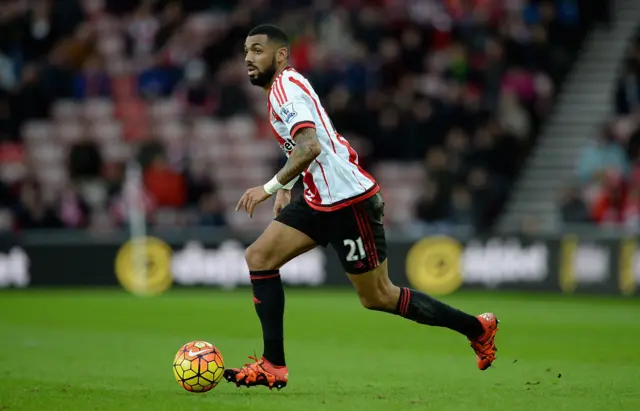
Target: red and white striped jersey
{"points": [[334, 179]]}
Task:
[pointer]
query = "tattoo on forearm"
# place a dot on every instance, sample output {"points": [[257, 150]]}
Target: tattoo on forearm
{"points": [[306, 150]]}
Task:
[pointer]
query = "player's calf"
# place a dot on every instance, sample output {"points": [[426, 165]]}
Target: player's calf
{"points": [[268, 297], [382, 301], [277, 245], [377, 292]]}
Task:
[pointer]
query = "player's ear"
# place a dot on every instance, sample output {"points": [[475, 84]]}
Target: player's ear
{"points": [[282, 54]]}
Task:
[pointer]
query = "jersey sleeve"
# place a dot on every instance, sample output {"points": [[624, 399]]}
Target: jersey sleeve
{"points": [[292, 105]]}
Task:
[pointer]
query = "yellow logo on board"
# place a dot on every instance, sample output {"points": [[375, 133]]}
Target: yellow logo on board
{"points": [[433, 265], [144, 268]]}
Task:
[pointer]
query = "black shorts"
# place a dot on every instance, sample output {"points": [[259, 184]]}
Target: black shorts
{"points": [[356, 231]]}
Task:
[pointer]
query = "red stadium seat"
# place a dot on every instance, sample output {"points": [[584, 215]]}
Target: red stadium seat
{"points": [[135, 129], [131, 108], [12, 162], [123, 87]]}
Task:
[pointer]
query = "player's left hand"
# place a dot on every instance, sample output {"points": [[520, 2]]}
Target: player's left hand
{"points": [[283, 198], [251, 198]]}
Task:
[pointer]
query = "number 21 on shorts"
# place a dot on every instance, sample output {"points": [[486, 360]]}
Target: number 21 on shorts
{"points": [[356, 249]]}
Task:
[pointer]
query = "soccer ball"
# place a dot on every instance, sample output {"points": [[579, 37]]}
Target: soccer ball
{"points": [[198, 366]]}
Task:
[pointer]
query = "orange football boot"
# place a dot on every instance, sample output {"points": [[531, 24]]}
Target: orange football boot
{"points": [[484, 345], [261, 372]]}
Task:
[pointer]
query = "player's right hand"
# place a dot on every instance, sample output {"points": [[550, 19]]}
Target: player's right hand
{"points": [[283, 197]]}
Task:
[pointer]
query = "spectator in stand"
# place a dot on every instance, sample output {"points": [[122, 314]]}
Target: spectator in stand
{"points": [[512, 116], [631, 209], [113, 174], [171, 20], [439, 172], [194, 93], [85, 161], [432, 207], [199, 182], [30, 100], [605, 155], [8, 78], [141, 32], [72, 209], [39, 31], [231, 93], [628, 89], [30, 210], [6, 197], [458, 149], [461, 213], [93, 81], [484, 196], [211, 210], [8, 131], [166, 186], [64, 61], [573, 208], [608, 208]]}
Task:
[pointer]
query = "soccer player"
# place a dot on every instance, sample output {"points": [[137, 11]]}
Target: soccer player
{"points": [[341, 206]]}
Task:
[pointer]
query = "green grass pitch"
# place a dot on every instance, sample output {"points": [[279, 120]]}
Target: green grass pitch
{"points": [[106, 350]]}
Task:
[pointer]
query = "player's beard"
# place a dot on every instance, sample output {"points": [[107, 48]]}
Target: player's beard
{"points": [[264, 77]]}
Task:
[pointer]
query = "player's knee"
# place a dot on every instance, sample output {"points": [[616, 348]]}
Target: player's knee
{"points": [[259, 258], [379, 299]]}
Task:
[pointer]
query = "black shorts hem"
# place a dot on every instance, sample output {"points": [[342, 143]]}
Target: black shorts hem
{"points": [[291, 220], [361, 271]]}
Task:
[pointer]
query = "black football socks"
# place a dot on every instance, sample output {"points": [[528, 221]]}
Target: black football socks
{"points": [[268, 298], [423, 309]]}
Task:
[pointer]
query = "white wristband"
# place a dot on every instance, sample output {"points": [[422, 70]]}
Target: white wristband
{"points": [[273, 185]]}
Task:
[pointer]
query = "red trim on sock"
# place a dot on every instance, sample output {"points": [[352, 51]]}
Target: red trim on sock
{"points": [[405, 305], [401, 301]]}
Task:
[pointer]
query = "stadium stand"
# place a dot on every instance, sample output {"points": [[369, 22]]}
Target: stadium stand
{"points": [[442, 98], [606, 189]]}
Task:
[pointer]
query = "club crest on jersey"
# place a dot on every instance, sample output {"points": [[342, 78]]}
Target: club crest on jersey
{"points": [[288, 113]]}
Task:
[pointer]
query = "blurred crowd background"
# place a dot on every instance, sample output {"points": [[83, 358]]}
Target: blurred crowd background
{"points": [[606, 187], [443, 99]]}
